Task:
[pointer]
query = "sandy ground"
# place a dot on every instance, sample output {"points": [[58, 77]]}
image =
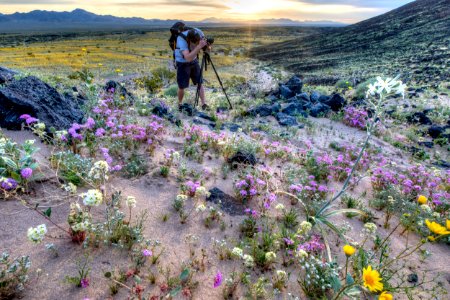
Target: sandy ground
{"points": [[155, 194]]}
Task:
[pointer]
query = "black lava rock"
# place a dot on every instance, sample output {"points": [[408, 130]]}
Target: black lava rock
{"points": [[426, 144], [232, 127], [314, 97], [242, 158], [335, 102], [295, 84], [294, 109], [419, 117], [286, 92], [6, 75], [34, 97], [319, 109], [435, 131], [227, 203], [286, 120], [118, 88], [265, 110], [188, 109], [303, 97], [205, 116], [413, 278]]}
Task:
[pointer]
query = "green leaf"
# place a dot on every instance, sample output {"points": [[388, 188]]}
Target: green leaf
{"points": [[108, 274], [349, 279], [184, 275], [336, 283], [343, 211], [137, 279], [48, 212], [175, 291], [9, 162], [353, 293]]}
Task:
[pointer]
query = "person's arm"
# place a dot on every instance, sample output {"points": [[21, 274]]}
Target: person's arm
{"points": [[190, 56]]}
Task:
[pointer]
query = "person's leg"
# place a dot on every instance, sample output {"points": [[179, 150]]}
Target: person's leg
{"points": [[182, 80], [180, 96], [202, 94], [198, 80]]}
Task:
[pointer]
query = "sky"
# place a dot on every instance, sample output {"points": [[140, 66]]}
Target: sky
{"points": [[347, 11]]}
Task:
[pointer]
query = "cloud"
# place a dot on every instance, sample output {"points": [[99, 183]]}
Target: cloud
{"points": [[191, 3], [36, 2]]}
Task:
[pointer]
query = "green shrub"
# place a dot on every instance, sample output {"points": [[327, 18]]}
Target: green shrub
{"points": [[72, 167], [13, 275], [361, 89], [171, 91]]}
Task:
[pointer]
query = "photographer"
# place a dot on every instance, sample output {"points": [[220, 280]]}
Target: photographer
{"points": [[188, 67]]}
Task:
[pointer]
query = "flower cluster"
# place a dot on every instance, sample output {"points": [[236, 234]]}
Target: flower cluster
{"points": [[36, 235], [355, 117], [78, 219], [249, 187], [92, 198]]}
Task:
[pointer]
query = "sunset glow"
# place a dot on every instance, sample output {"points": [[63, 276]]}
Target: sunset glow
{"points": [[348, 11]]}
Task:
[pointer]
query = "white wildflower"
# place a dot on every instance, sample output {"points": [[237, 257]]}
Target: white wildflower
{"points": [[131, 202], [248, 261], [92, 198], [237, 252], [36, 235]]}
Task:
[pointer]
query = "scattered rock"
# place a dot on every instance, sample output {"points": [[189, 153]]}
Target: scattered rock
{"points": [[6, 75], [319, 109], [294, 109], [227, 203], [426, 144], [242, 158], [32, 96], [188, 109], [435, 131], [442, 164], [295, 84], [286, 92], [419, 117], [314, 97], [203, 115], [303, 97], [265, 110], [286, 120], [335, 102], [232, 127], [118, 88], [413, 278]]}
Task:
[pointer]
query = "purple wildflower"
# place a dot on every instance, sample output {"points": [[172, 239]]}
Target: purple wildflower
{"points": [[218, 279], [147, 252], [26, 173], [84, 283], [9, 184]]}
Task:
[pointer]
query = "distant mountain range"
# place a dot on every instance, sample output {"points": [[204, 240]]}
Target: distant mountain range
{"points": [[81, 19]]}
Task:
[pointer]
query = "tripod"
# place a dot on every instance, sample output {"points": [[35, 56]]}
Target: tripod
{"points": [[205, 61]]}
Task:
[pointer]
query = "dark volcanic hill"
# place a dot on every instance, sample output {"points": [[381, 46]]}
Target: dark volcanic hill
{"points": [[413, 40]]}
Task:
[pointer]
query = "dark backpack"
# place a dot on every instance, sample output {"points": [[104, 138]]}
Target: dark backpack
{"points": [[177, 31]]}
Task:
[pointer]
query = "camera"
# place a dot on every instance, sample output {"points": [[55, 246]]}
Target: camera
{"points": [[210, 41]]}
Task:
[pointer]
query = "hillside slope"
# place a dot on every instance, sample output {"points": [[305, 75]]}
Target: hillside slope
{"points": [[413, 39]]}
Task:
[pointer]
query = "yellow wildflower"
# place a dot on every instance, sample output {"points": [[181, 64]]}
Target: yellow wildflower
{"points": [[349, 250], [385, 296], [437, 228], [372, 279], [422, 199], [447, 223]]}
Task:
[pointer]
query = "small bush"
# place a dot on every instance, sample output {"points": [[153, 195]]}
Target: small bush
{"points": [[171, 91]]}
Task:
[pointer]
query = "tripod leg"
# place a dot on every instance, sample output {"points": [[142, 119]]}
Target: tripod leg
{"points": [[220, 81], [197, 93]]}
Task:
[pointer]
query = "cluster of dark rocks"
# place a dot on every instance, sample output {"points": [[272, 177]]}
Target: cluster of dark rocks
{"points": [[289, 101], [434, 131], [29, 95]]}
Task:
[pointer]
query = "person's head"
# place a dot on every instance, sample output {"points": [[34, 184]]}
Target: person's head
{"points": [[193, 36]]}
